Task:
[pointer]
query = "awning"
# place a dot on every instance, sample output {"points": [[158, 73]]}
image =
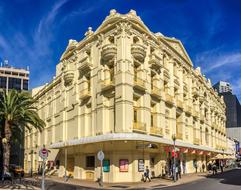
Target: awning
{"points": [[53, 154], [129, 137]]}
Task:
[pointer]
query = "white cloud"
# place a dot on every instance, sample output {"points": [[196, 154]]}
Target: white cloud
{"points": [[215, 59]]}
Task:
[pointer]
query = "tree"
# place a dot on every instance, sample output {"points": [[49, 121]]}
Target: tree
{"points": [[17, 110]]}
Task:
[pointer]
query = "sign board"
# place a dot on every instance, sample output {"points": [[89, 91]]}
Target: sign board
{"points": [[101, 155], [123, 165], [43, 153], [106, 165], [141, 166]]}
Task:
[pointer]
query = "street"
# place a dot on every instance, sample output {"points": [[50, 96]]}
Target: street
{"points": [[230, 180]]}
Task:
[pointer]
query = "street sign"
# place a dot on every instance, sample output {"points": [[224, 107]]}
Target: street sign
{"points": [[43, 153], [101, 155]]}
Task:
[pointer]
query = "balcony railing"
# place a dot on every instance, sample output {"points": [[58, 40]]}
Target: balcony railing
{"points": [[156, 131], [196, 141], [85, 93], [155, 91], [179, 104], [167, 131], [155, 61], [107, 84], [139, 83], [139, 127], [179, 135], [168, 98]]}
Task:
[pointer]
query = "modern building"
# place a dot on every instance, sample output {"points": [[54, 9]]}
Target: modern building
{"points": [[222, 87], [233, 110], [131, 93], [13, 78]]}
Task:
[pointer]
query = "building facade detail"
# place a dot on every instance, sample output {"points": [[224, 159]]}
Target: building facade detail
{"points": [[127, 91]]}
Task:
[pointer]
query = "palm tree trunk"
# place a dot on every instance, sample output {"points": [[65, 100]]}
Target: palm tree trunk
{"points": [[6, 146]]}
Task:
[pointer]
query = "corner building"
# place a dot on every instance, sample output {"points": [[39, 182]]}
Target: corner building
{"points": [[126, 91]]}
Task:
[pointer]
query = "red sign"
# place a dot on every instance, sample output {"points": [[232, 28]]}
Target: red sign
{"points": [[44, 151]]}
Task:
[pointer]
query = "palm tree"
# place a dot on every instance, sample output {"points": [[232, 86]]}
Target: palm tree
{"points": [[17, 110]]}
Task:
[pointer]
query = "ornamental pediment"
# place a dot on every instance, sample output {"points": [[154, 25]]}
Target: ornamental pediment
{"points": [[177, 45]]}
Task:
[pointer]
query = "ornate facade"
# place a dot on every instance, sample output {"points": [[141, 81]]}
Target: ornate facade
{"points": [[127, 91]]}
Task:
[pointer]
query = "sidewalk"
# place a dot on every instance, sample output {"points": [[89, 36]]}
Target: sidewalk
{"points": [[157, 182]]}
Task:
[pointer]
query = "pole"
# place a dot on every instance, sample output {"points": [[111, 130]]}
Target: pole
{"points": [[43, 178], [101, 173], [174, 160], [65, 164], [31, 169]]}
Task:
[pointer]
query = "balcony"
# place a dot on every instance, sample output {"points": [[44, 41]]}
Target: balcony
{"points": [[139, 83], [68, 77], [166, 74], [85, 93], [167, 131], [188, 109], [195, 91], [156, 92], [139, 127], [179, 104], [138, 51], [155, 61], [109, 51], [168, 98], [84, 63], [107, 84], [195, 113], [202, 117], [176, 83], [179, 135], [196, 141], [156, 131]]}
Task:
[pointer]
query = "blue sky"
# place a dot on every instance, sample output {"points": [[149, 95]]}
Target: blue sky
{"points": [[36, 32]]}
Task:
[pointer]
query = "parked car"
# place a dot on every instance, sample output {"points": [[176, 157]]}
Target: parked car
{"points": [[16, 170]]}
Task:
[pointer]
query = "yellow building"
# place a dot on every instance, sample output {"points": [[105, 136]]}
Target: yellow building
{"points": [[126, 91]]}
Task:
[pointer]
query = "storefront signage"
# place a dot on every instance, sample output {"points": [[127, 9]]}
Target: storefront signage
{"points": [[141, 166], [123, 165], [106, 165]]}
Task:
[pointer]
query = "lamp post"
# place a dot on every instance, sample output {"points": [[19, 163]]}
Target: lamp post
{"points": [[65, 162], [174, 158]]}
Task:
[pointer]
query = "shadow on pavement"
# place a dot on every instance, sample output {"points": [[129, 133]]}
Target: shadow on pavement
{"points": [[231, 177]]}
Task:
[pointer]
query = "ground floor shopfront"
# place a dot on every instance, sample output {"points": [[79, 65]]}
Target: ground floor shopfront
{"points": [[126, 157]]}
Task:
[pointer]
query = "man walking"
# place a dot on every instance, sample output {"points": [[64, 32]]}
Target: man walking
{"points": [[221, 166], [147, 174]]}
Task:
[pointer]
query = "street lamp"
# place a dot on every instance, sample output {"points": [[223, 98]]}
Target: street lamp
{"points": [[174, 158]]}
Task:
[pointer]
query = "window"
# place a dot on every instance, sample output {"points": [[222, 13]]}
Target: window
{"points": [[3, 81], [25, 84], [14, 83], [90, 161]]}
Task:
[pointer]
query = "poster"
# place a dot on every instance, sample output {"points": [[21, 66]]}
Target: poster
{"points": [[106, 165], [123, 165], [141, 165]]}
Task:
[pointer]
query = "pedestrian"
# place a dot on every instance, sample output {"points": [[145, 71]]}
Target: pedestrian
{"points": [[209, 167], [179, 171], [203, 167], [221, 166], [214, 168], [147, 174]]}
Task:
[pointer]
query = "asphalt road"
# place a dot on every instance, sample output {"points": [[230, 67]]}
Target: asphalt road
{"points": [[230, 180]]}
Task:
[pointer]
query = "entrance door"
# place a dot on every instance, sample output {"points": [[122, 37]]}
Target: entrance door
{"points": [[70, 166]]}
